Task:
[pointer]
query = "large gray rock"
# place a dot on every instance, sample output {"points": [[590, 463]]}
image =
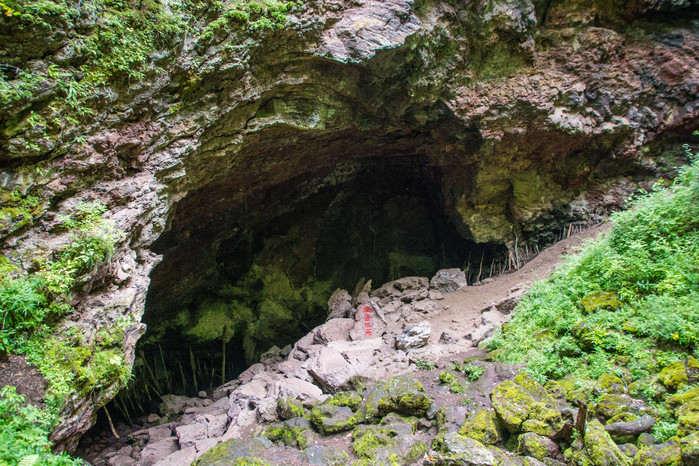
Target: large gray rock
{"points": [[158, 450], [415, 336], [452, 448], [190, 434], [330, 369], [332, 330], [340, 305], [324, 455], [448, 280], [368, 28]]}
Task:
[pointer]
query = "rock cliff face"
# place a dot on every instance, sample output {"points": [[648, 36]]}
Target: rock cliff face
{"points": [[516, 117]]}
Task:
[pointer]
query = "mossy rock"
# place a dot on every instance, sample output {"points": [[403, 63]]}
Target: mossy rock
{"points": [[368, 438], [227, 452], [523, 405], [453, 448], [330, 419], [688, 418], [483, 425], [324, 455], [402, 394], [560, 389], [689, 449], [292, 435], [400, 424], [603, 300], [350, 399], [598, 449], [536, 446], [623, 417], [609, 383], [674, 376], [289, 408], [610, 405], [675, 401], [662, 454]]}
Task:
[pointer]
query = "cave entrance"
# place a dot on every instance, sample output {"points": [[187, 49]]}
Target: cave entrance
{"points": [[256, 270]]}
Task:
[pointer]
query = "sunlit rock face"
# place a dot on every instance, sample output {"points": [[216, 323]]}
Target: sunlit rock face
{"points": [[365, 140]]}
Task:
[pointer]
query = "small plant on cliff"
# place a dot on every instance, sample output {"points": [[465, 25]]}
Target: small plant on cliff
{"points": [[27, 300]]}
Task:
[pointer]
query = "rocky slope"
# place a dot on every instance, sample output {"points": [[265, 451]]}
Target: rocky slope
{"points": [[521, 116]]}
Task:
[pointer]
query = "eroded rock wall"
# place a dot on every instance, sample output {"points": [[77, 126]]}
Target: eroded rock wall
{"points": [[533, 114]]}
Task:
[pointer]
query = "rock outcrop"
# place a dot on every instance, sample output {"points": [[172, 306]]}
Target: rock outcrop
{"points": [[522, 116]]}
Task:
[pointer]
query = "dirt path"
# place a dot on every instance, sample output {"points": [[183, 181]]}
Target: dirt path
{"points": [[462, 309]]}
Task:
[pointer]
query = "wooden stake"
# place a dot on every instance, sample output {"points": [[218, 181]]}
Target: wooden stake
{"points": [[111, 425]]}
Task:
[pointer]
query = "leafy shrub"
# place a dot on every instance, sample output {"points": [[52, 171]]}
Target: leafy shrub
{"points": [[649, 262], [24, 432]]}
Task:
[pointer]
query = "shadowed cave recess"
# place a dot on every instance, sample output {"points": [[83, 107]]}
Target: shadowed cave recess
{"points": [[251, 258]]}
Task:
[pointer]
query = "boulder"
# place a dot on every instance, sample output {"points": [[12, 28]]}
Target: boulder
{"points": [[157, 450], [295, 435], [331, 330], [524, 405], [330, 369], [183, 457], [226, 452], [676, 375], [483, 425], [340, 305], [675, 401], [324, 455], [451, 418], [406, 290], [688, 417], [663, 454], [289, 408], [598, 448], [402, 449], [369, 323], [330, 419], [448, 280], [537, 446], [190, 434], [452, 448], [415, 336], [403, 394], [642, 424], [689, 449]]}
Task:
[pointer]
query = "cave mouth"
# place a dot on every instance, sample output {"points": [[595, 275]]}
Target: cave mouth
{"points": [[258, 273]]}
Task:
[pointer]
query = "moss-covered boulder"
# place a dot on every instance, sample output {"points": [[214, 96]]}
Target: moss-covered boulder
{"points": [[330, 419], [559, 389], [352, 400], [609, 383], [324, 455], [603, 300], [402, 394], [399, 424], [289, 408], [598, 449], [453, 448], [675, 401], [226, 453], [662, 454], [375, 448], [537, 446], [688, 418], [483, 425], [295, 433], [610, 406], [675, 376], [689, 449], [523, 405]]}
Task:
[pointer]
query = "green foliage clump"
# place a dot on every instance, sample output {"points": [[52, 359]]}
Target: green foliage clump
{"points": [[647, 269], [27, 300], [24, 432]]}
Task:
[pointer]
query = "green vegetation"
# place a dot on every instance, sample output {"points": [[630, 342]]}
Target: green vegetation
{"points": [[24, 431], [627, 303], [30, 305]]}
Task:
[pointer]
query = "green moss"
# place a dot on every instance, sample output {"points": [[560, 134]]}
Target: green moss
{"points": [[533, 445], [350, 399], [609, 383], [599, 448], [295, 437], [403, 394], [524, 405], [290, 407], [674, 376], [664, 454], [484, 426], [367, 440], [330, 419], [603, 300], [688, 418]]}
